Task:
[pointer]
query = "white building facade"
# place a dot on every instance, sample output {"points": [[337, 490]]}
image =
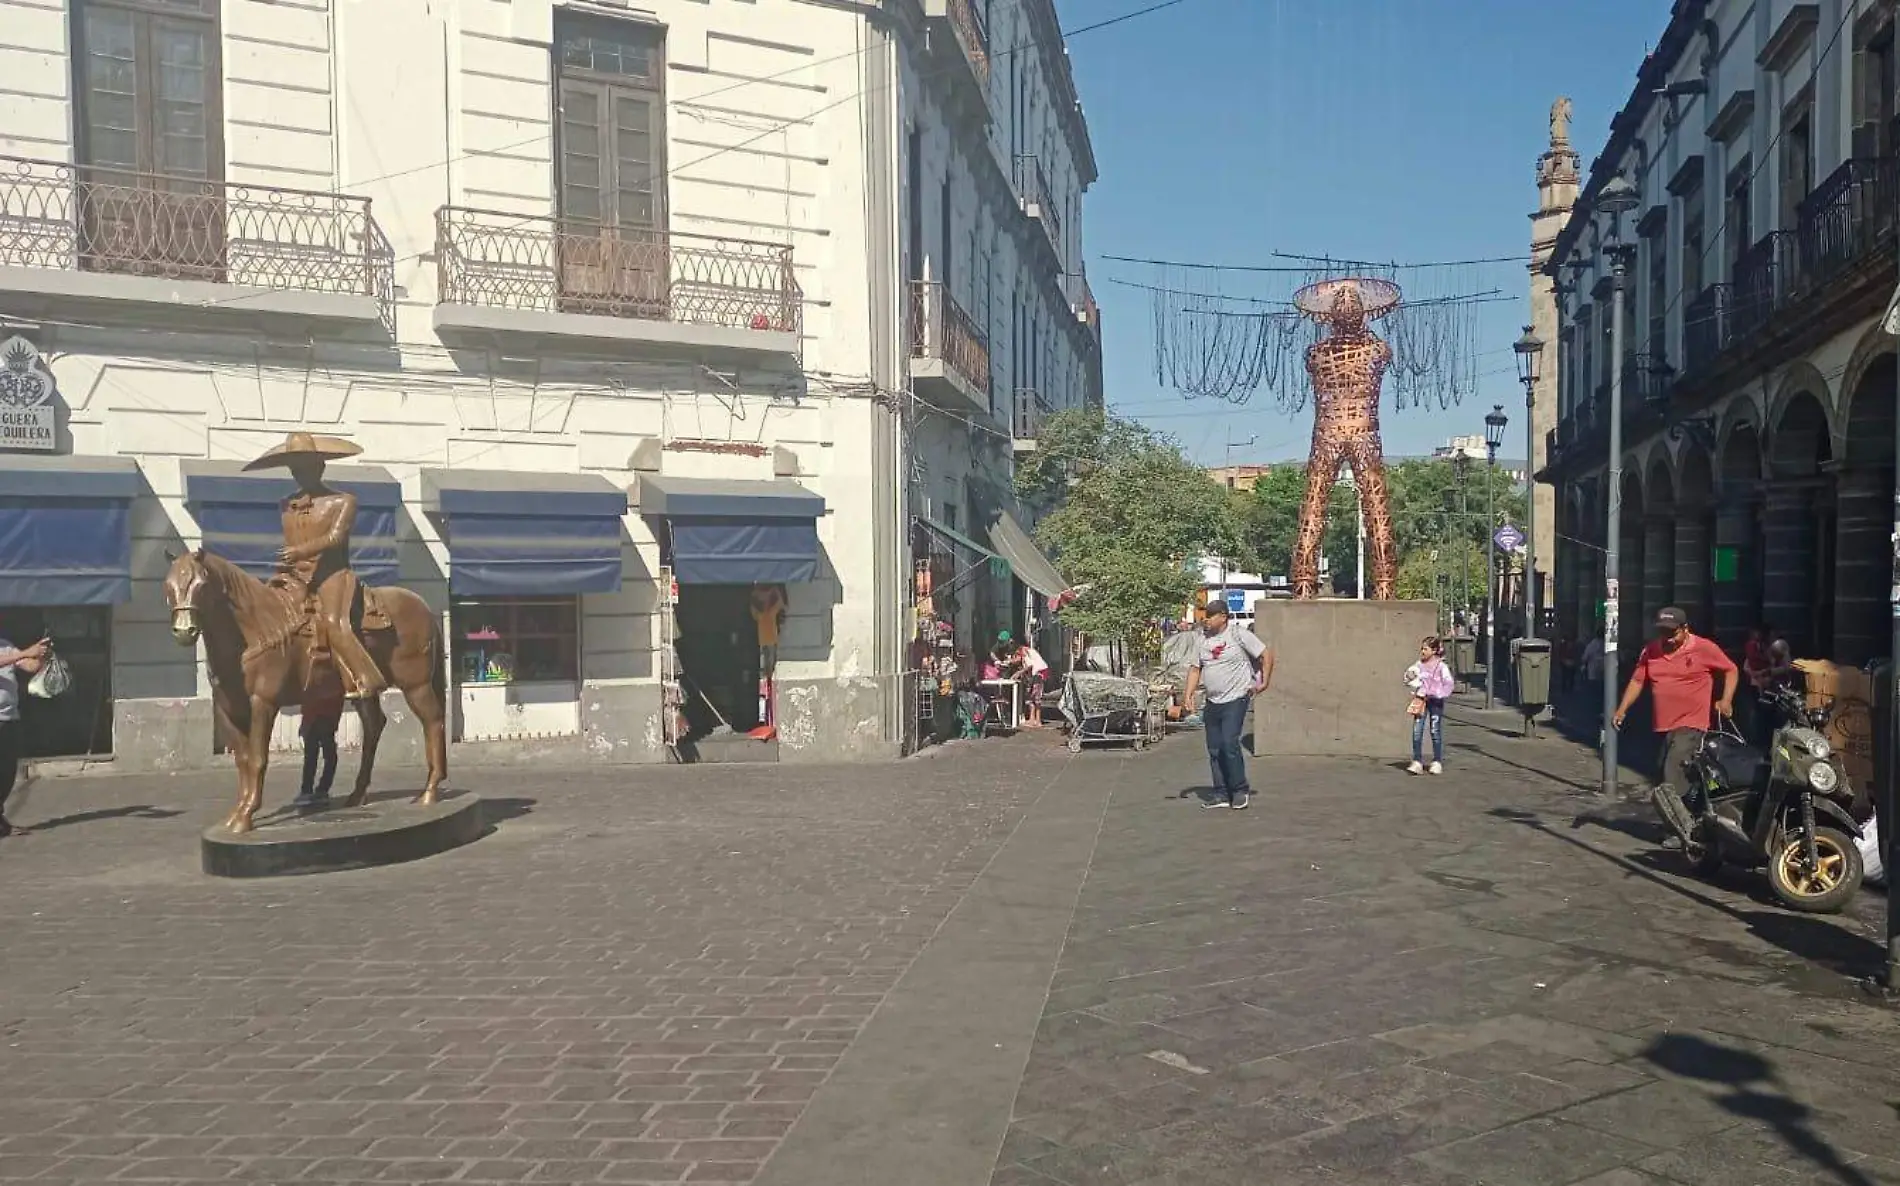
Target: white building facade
{"points": [[1758, 390], [637, 313]]}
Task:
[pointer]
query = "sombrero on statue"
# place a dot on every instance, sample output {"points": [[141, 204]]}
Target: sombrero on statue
{"points": [[1377, 298], [303, 444]]}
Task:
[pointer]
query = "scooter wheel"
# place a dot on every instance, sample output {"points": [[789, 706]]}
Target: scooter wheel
{"points": [[1704, 853], [1825, 889]]}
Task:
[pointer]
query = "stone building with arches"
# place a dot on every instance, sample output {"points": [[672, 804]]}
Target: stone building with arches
{"points": [[1758, 388]]}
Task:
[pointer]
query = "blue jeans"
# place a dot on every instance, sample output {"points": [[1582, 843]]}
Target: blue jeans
{"points": [[1222, 723], [1433, 718]]}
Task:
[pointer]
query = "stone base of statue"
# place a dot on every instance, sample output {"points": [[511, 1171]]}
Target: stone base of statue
{"points": [[384, 831], [1338, 677]]}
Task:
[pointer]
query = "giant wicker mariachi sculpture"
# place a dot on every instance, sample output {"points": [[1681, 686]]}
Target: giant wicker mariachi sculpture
{"points": [[267, 642], [1346, 366]]}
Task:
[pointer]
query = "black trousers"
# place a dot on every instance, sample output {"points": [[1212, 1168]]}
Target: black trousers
{"points": [[10, 739], [318, 746]]}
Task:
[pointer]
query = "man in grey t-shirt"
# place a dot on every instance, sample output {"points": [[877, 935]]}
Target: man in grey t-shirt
{"points": [[1234, 666], [13, 664]]}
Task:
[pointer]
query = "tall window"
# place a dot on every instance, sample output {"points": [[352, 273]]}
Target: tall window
{"points": [[149, 136], [612, 166], [1693, 244], [1738, 212], [1656, 247], [1877, 85], [1797, 159]]}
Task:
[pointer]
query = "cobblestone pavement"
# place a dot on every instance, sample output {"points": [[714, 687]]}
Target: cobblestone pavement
{"points": [[710, 974]]}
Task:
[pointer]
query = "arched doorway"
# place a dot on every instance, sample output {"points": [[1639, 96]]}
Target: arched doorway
{"points": [[1737, 559], [1863, 509], [1798, 528], [1695, 537]]}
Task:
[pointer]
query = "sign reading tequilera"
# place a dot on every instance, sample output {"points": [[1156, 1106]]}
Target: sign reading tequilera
{"points": [[27, 416]]}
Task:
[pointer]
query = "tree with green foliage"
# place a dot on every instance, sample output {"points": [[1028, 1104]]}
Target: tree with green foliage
{"points": [[1432, 509], [1128, 515]]}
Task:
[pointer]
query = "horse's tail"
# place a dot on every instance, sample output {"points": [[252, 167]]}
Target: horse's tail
{"points": [[438, 660]]}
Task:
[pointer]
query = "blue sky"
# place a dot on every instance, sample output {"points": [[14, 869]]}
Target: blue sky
{"points": [[1377, 129]]}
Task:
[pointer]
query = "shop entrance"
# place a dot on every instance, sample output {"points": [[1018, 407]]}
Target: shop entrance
{"points": [[719, 658], [79, 723]]}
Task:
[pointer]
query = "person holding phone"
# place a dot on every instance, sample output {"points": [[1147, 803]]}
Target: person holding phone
{"points": [[14, 662]]}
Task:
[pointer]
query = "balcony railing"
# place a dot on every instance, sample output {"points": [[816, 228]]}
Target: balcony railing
{"points": [[1847, 216], [88, 218], [1032, 190], [1705, 327], [968, 23], [1086, 308], [1031, 411], [940, 329], [507, 261], [1766, 274]]}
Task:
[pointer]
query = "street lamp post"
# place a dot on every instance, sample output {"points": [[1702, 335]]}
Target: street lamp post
{"points": [[1617, 198], [1494, 426], [1530, 357], [1227, 463]]}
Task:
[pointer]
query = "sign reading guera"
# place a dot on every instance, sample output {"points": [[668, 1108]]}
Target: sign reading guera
{"points": [[27, 417]]}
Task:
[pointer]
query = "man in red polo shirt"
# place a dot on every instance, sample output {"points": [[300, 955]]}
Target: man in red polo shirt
{"points": [[1679, 667]]}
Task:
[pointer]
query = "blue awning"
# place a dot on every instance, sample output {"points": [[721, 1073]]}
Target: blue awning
{"points": [[731, 532], [240, 515], [527, 534], [65, 530]]}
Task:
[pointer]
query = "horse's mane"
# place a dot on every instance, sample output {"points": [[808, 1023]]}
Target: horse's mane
{"points": [[243, 590]]}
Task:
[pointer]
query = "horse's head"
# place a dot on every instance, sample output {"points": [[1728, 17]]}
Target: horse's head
{"points": [[185, 585]]}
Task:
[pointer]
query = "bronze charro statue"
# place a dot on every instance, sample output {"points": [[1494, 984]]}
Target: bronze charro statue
{"points": [[267, 643], [1347, 366], [314, 563]]}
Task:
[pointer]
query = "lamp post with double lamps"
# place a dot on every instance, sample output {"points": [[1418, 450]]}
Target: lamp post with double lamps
{"points": [[1494, 426], [1530, 363], [1617, 198]]}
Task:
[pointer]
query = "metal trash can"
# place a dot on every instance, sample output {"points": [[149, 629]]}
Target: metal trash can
{"points": [[1464, 656], [1531, 656]]}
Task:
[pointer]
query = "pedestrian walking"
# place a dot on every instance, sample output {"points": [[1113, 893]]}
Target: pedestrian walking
{"points": [[1234, 665], [14, 662], [1592, 665], [1431, 684], [1679, 669], [322, 713]]}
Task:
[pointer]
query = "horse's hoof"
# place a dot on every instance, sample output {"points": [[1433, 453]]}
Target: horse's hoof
{"points": [[428, 799], [238, 827]]}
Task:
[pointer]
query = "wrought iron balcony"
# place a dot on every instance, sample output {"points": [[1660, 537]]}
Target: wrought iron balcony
{"points": [[1032, 190], [1848, 216], [947, 347], [1766, 275], [973, 38], [494, 261], [59, 217], [1705, 328], [1031, 412], [1085, 307]]}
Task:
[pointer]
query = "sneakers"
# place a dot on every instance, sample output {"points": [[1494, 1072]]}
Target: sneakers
{"points": [[1669, 805], [1436, 768], [1217, 801], [1415, 768], [1241, 800]]}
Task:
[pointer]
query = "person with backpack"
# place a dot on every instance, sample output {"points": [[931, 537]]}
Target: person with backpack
{"points": [[14, 662], [1430, 680]]}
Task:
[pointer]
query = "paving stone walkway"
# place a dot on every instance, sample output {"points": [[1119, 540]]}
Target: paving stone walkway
{"points": [[997, 964]]}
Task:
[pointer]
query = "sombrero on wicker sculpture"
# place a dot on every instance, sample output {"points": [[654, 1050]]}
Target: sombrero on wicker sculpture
{"points": [[303, 444], [1376, 297]]}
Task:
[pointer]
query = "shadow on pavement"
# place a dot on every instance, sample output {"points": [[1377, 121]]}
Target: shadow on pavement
{"points": [[1754, 1094], [138, 811], [1812, 939]]}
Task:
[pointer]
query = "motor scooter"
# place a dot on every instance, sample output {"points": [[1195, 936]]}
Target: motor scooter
{"points": [[1790, 811]]}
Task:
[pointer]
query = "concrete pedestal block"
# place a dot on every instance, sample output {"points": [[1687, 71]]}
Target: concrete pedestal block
{"points": [[1336, 688], [385, 831]]}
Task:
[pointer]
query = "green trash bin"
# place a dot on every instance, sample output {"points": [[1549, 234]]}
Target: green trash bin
{"points": [[1531, 657], [1464, 657]]}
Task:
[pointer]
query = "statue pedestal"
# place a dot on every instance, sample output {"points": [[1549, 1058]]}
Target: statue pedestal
{"points": [[383, 831], [1338, 687]]}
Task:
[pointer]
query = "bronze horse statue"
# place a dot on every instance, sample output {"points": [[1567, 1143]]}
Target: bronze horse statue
{"points": [[258, 642]]}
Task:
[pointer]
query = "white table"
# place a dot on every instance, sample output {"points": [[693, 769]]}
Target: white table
{"points": [[1002, 698]]}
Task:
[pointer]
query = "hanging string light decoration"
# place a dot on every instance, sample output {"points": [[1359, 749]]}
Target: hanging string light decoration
{"points": [[1211, 344]]}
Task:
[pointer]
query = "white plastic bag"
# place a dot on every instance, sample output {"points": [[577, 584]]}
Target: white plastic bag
{"points": [[52, 679], [1869, 845]]}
